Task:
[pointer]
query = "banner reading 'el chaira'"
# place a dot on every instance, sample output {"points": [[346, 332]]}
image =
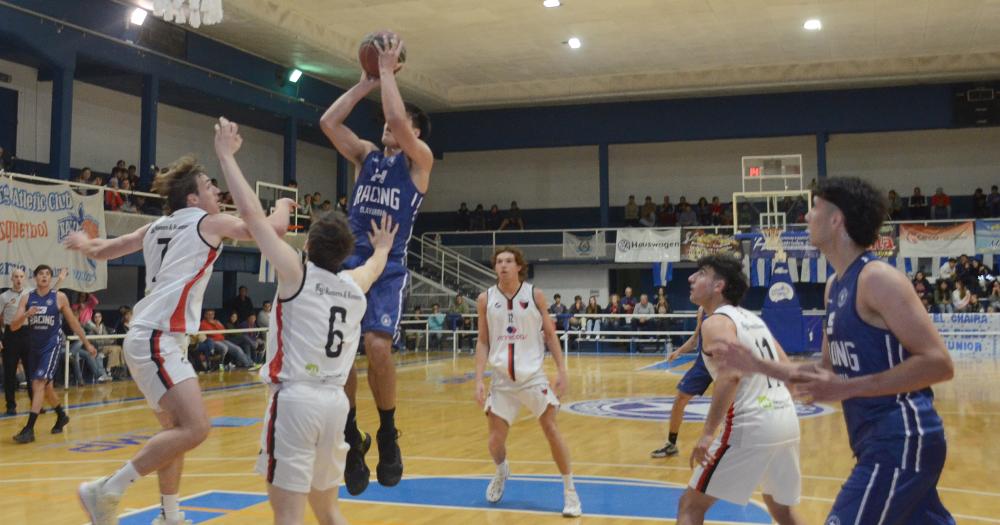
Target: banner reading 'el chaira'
{"points": [[36, 220], [648, 245], [936, 241]]}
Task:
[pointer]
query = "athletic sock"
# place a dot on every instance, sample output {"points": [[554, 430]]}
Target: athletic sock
{"points": [[672, 438], [59, 411], [119, 481], [503, 468], [32, 417], [169, 507], [351, 432], [568, 483], [387, 421]]}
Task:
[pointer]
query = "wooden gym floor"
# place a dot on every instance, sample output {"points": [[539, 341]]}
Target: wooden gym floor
{"points": [[444, 438]]}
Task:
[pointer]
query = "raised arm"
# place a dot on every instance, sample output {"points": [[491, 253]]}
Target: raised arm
{"points": [[395, 114], [552, 343], [218, 226], [284, 258], [482, 348], [105, 249], [332, 122], [381, 238]]}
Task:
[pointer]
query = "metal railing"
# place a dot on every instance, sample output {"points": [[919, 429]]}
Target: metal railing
{"points": [[447, 264]]}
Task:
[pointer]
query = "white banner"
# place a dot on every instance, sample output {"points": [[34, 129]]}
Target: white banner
{"points": [[931, 241], [36, 220], [584, 246], [648, 245]]}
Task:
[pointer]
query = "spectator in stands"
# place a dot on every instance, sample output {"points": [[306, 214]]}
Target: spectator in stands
{"points": [[995, 295], [306, 206], [926, 303], [976, 306], [112, 199], [124, 320], [494, 218], [323, 208], [258, 339], [921, 285], [715, 210], [970, 277], [628, 301], [647, 214], [86, 176], [947, 270], [435, 322], [631, 212], [241, 304], [458, 312], [513, 219], [642, 310], [240, 339], [895, 206], [230, 351], [342, 204], [578, 308], [6, 159], [614, 307], [121, 165], [128, 202], [83, 308], [317, 200], [477, 220], [557, 307], [462, 220], [979, 208], [687, 216], [667, 214], [960, 297], [593, 324], [940, 205], [109, 349], [703, 211], [918, 205], [264, 315], [993, 201], [942, 296], [78, 354]]}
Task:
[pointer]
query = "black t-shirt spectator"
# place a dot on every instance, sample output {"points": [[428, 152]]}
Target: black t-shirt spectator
{"points": [[242, 305]]}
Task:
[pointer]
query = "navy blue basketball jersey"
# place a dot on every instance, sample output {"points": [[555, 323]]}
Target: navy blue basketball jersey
{"points": [[384, 186], [895, 427], [44, 328]]}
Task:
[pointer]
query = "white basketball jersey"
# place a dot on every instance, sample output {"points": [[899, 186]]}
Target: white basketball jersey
{"points": [[517, 347], [763, 412], [178, 266], [314, 334]]}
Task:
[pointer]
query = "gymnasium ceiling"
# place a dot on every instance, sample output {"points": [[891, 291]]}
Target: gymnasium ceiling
{"points": [[499, 53]]}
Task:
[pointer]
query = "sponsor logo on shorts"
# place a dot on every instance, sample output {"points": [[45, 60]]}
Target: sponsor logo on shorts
{"points": [[658, 408], [386, 320], [833, 520]]}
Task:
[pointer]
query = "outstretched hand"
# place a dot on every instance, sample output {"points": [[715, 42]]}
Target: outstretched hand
{"points": [[77, 241], [383, 233], [388, 55], [227, 137]]}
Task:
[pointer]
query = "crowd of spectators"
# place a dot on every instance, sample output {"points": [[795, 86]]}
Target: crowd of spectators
{"points": [[481, 220], [939, 206], [964, 285]]}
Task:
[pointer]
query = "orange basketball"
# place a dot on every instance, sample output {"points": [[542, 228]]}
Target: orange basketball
{"points": [[368, 53]]}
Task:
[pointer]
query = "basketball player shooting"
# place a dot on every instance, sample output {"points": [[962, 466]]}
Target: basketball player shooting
{"points": [[390, 182]]}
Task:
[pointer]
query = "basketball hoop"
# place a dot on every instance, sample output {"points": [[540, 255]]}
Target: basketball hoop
{"points": [[193, 12]]}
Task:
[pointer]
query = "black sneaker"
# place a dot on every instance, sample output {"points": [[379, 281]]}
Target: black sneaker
{"points": [[61, 421], [11, 411], [669, 449], [26, 435], [356, 472], [390, 461]]}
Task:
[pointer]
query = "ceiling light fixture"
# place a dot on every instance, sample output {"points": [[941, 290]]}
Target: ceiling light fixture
{"points": [[294, 75], [551, 3], [138, 16], [574, 43], [813, 24]]}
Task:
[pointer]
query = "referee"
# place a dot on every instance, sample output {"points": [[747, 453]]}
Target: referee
{"points": [[15, 342]]}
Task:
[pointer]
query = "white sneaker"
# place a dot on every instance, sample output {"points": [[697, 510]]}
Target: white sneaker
{"points": [[494, 491], [160, 520], [104, 379], [571, 504], [101, 506]]}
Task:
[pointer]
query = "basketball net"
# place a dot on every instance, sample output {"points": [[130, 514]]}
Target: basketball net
{"points": [[772, 242]]}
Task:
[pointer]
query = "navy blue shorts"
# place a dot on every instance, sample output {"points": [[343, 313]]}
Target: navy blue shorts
{"points": [[385, 298], [696, 381], [881, 492], [43, 363]]}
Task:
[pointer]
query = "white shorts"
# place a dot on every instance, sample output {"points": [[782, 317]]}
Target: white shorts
{"points": [[739, 471], [157, 361], [505, 399], [302, 445]]}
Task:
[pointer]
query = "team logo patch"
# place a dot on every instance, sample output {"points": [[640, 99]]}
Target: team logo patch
{"points": [[386, 320], [833, 520], [524, 304], [511, 330], [497, 305], [842, 298], [658, 408]]}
